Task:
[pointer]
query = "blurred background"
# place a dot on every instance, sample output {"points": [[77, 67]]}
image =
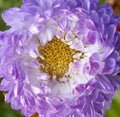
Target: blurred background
{"points": [[5, 109]]}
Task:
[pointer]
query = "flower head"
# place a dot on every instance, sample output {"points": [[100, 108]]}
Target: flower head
{"points": [[60, 58]]}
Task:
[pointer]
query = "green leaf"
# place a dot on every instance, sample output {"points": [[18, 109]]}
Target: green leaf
{"points": [[114, 111], [6, 110], [4, 5], [101, 1]]}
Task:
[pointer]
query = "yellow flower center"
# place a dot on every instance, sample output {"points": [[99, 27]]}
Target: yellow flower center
{"points": [[57, 56]]}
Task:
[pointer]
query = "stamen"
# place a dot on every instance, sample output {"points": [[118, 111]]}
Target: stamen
{"points": [[57, 56]]}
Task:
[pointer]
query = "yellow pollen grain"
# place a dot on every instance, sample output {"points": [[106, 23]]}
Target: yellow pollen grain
{"points": [[57, 56]]}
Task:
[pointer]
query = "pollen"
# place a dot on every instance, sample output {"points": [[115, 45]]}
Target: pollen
{"points": [[57, 56]]}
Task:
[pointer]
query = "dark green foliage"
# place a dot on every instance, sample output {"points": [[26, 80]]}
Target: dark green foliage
{"points": [[102, 1], [114, 111], [4, 5], [5, 109]]}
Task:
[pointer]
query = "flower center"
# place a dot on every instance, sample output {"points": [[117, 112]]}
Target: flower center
{"points": [[56, 57]]}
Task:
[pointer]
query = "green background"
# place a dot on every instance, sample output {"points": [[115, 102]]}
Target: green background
{"points": [[5, 109]]}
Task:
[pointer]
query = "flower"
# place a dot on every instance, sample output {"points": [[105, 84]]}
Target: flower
{"points": [[60, 58]]}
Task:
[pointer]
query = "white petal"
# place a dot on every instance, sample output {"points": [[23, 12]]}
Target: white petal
{"points": [[33, 29], [35, 89], [43, 38]]}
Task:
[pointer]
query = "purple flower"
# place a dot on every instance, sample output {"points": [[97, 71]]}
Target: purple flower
{"points": [[60, 58]]}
